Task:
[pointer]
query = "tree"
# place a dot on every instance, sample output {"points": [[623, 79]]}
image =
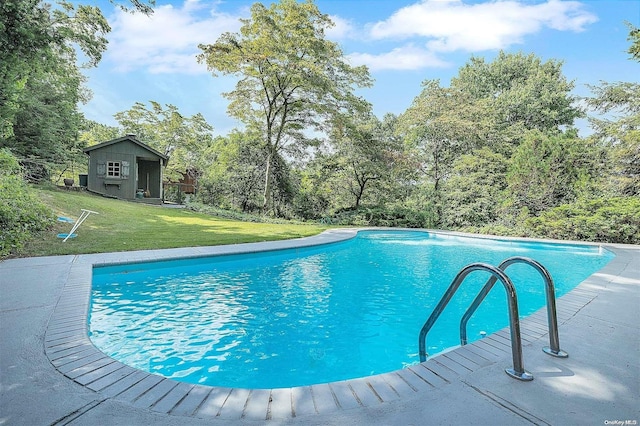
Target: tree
{"points": [[438, 127], [315, 195], [491, 105], [92, 132], [138, 6], [634, 38], [360, 155], [23, 37], [520, 93], [618, 129], [233, 178], [291, 79], [182, 138], [47, 122], [364, 161], [40, 80], [400, 170], [473, 192], [545, 170], [440, 124]]}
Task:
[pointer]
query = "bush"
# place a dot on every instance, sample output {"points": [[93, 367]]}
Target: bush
{"points": [[235, 215], [21, 212], [386, 217], [613, 220]]}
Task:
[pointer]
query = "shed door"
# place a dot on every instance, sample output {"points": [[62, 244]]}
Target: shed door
{"points": [[149, 177]]}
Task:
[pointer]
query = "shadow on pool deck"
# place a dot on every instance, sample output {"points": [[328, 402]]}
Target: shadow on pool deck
{"points": [[50, 373]]}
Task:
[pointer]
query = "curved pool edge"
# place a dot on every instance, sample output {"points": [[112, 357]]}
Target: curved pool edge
{"points": [[71, 352]]}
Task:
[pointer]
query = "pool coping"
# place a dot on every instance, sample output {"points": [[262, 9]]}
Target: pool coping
{"points": [[71, 352]]}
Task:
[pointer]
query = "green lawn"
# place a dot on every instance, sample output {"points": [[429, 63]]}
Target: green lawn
{"points": [[123, 225]]}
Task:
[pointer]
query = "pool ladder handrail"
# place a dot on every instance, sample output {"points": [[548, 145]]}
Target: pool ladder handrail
{"points": [[552, 319], [518, 371]]}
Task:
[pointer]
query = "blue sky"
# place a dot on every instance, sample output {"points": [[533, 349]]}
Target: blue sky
{"points": [[403, 42]]}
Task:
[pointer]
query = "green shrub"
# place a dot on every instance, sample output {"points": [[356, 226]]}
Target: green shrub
{"points": [[236, 215], [395, 217], [21, 212], [613, 220]]}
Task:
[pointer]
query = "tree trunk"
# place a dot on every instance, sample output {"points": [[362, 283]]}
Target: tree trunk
{"points": [[267, 185], [360, 192]]}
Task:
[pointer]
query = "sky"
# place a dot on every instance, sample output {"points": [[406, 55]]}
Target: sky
{"points": [[403, 42]]}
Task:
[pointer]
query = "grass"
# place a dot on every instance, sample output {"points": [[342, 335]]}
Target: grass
{"points": [[123, 226]]}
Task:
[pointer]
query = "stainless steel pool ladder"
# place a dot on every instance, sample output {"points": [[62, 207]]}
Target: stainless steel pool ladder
{"points": [[552, 319], [518, 370]]}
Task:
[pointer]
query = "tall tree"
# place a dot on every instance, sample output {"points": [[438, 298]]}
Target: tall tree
{"points": [[521, 93], [24, 36], [365, 155], [291, 79], [634, 38], [234, 175], [315, 195], [170, 132], [141, 6], [618, 125], [440, 124], [618, 130], [92, 132], [40, 79], [473, 192], [545, 170]]}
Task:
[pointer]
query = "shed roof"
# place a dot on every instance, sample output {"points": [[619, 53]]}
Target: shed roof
{"points": [[131, 138]]}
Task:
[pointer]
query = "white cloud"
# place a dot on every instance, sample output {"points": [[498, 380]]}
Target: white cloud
{"points": [[342, 28], [407, 57], [167, 41], [450, 25]]}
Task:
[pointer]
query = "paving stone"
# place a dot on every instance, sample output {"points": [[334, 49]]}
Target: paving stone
{"points": [[398, 385], [171, 399], [111, 378], [189, 404], [155, 394], [123, 384], [364, 393], [139, 388], [257, 405], [233, 408], [213, 403], [344, 395], [414, 380], [323, 399], [280, 407], [302, 401], [381, 388]]}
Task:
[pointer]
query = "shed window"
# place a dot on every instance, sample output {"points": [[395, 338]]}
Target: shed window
{"points": [[113, 169]]}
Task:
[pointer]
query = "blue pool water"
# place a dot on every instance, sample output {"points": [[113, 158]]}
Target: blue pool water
{"points": [[313, 315]]}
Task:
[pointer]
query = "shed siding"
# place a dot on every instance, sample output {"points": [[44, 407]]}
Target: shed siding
{"points": [[123, 151]]}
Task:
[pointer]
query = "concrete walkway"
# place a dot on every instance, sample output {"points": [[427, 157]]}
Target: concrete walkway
{"points": [[51, 374]]}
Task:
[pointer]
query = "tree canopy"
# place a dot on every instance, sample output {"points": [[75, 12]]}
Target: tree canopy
{"points": [[41, 83], [182, 138], [291, 79]]}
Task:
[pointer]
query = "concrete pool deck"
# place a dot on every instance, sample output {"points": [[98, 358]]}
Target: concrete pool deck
{"points": [[50, 373]]}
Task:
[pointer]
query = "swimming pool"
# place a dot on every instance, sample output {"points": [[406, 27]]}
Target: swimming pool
{"points": [[312, 315]]}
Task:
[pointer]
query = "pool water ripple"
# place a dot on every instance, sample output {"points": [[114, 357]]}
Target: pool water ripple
{"points": [[313, 315]]}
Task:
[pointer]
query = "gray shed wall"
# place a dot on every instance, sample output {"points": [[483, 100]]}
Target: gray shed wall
{"points": [[125, 187]]}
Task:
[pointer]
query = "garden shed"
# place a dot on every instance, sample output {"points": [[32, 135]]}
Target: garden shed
{"points": [[126, 168]]}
